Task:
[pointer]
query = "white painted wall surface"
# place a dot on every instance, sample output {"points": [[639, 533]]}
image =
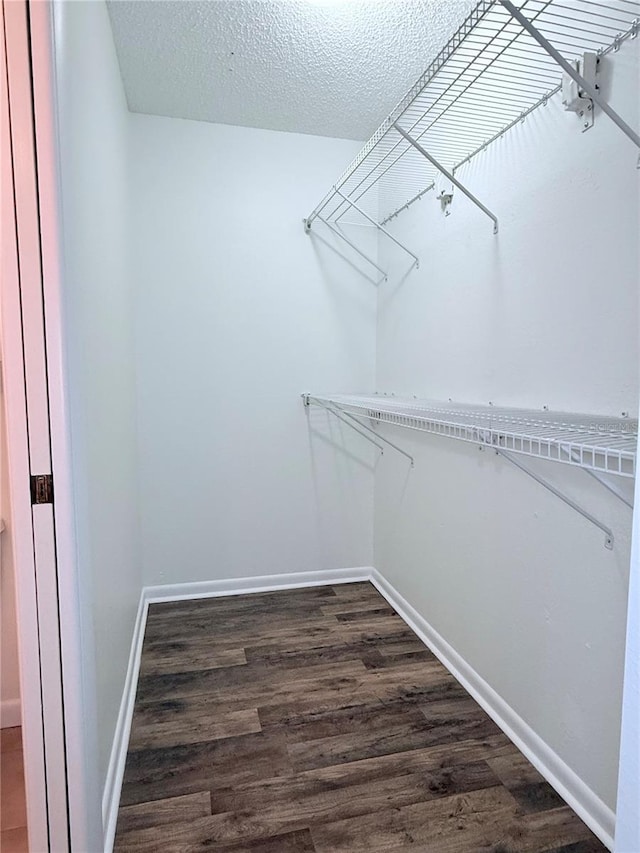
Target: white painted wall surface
{"points": [[544, 314], [237, 313], [9, 670], [99, 316], [628, 809]]}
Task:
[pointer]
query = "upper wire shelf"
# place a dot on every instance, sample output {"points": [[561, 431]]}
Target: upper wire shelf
{"points": [[491, 74], [594, 442]]}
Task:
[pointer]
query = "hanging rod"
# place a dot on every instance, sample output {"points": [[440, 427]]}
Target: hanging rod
{"points": [[503, 62]]}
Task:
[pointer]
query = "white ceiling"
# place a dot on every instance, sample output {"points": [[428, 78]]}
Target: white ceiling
{"points": [[327, 67]]}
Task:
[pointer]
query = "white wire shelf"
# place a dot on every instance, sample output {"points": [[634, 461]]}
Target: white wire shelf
{"points": [[605, 445], [490, 75]]}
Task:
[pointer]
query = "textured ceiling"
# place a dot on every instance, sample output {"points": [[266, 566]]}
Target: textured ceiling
{"points": [[327, 67]]}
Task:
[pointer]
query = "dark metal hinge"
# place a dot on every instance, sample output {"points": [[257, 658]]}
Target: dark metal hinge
{"points": [[41, 489]]}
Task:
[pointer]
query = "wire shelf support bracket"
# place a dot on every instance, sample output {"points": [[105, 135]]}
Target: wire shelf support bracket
{"points": [[380, 227], [338, 233], [448, 175], [584, 85], [608, 534], [355, 424]]}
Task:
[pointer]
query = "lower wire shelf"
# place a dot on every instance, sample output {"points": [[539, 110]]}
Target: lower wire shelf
{"points": [[598, 443]]}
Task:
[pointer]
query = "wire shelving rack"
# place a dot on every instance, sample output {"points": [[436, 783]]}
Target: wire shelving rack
{"points": [[502, 63], [594, 442], [601, 446]]}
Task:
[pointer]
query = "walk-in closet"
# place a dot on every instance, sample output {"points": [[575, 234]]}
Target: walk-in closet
{"points": [[345, 313]]}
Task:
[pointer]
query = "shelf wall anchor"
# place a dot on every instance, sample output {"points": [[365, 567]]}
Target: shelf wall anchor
{"points": [[378, 226], [608, 533], [447, 175], [573, 98], [587, 88]]}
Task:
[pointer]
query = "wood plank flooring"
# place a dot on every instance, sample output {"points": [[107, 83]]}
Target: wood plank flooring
{"points": [[315, 721]]}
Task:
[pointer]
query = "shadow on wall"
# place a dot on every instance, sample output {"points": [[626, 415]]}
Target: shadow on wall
{"points": [[348, 256], [342, 463]]}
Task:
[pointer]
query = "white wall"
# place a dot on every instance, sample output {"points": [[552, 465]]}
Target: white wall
{"points": [[544, 314], [93, 126], [628, 811], [238, 311]]}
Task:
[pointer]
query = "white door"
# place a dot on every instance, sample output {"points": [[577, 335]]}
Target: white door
{"points": [[47, 611]]}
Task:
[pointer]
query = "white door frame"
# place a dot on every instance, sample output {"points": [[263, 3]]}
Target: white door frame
{"points": [[58, 709]]}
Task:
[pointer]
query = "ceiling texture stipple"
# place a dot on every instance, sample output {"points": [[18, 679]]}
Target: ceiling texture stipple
{"points": [[326, 67]]}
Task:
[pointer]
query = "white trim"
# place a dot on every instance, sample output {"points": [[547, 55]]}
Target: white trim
{"points": [[10, 713], [264, 583], [15, 305], [586, 804], [78, 684], [178, 592], [118, 757]]}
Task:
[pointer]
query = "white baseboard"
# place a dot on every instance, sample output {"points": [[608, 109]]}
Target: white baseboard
{"points": [[178, 592], [593, 811], [10, 713], [586, 804], [118, 757], [264, 583]]}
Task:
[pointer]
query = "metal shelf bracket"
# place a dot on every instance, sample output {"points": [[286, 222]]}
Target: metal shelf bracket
{"points": [[447, 175], [338, 233], [573, 98], [361, 428], [357, 207], [306, 399], [611, 486], [589, 89], [608, 533]]}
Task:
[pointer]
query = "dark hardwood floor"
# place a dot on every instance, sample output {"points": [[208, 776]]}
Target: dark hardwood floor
{"points": [[315, 720]]}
